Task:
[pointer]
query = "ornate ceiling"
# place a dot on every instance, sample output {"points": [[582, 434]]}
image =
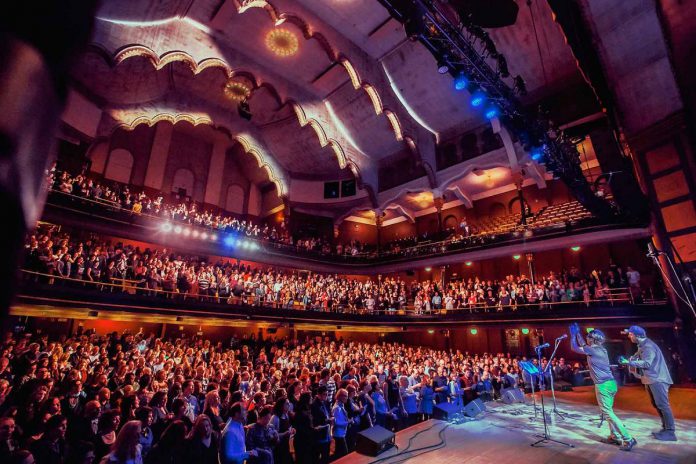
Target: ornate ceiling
{"points": [[343, 90]]}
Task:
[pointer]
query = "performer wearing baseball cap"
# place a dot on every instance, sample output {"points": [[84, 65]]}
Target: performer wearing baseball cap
{"points": [[605, 385], [649, 365]]}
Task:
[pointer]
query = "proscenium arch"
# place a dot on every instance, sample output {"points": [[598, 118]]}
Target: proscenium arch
{"points": [[159, 62], [247, 142]]}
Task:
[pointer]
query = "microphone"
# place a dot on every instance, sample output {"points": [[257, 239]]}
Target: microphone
{"points": [[562, 337], [545, 345]]}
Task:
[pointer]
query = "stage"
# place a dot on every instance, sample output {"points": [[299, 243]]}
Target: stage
{"points": [[504, 434]]}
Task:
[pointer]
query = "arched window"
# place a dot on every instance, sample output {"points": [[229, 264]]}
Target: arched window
{"points": [[450, 222], [234, 202], [183, 181], [119, 166]]}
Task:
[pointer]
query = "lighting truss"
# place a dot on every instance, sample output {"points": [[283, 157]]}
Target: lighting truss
{"points": [[449, 45]]}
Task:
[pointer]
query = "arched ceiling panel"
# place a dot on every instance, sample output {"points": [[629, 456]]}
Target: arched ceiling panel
{"points": [[132, 82], [431, 96]]}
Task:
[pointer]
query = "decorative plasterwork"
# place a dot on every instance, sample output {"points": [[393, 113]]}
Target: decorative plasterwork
{"points": [[248, 141], [159, 62], [334, 55]]}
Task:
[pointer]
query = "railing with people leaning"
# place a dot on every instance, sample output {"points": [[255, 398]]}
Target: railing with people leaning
{"points": [[107, 210], [139, 290]]}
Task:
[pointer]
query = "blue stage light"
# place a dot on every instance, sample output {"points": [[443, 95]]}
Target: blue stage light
{"points": [[478, 98], [230, 241], [460, 82], [491, 112]]}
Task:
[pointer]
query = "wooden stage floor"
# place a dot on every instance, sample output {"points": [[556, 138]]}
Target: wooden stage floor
{"points": [[504, 433]]}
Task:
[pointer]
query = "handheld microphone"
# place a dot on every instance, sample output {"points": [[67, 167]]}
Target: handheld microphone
{"points": [[545, 345], [562, 337]]}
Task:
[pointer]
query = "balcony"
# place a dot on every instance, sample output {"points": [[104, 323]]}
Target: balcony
{"points": [[555, 231], [40, 293]]}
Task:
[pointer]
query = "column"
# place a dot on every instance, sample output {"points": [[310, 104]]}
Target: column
{"points": [[159, 153], [379, 219], [216, 172], [439, 201], [532, 269], [523, 210]]}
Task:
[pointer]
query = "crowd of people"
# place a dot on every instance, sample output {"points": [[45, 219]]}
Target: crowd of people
{"points": [[134, 398], [185, 210], [168, 274]]}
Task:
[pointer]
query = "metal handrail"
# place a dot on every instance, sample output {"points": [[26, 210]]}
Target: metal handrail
{"points": [[621, 295]]}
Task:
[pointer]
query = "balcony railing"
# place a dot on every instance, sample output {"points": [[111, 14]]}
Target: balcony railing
{"points": [[136, 291], [106, 210]]}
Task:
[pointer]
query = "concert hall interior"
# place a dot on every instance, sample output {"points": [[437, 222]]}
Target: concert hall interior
{"points": [[362, 231]]}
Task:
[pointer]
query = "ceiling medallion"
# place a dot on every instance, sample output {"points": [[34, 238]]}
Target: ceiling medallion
{"points": [[237, 91], [282, 42]]}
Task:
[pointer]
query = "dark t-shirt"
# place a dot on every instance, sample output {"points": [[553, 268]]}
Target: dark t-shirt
{"points": [[598, 361]]}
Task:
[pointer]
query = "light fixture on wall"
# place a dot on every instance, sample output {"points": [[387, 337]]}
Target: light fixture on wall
{"points": [[282, 42], [237, 91]]}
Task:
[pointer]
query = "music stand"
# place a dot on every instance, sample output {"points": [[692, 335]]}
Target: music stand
{"points": [[532, 370], [546, 437]]}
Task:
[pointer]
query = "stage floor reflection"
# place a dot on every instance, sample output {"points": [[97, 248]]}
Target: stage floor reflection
{"points": [[504, 434]]}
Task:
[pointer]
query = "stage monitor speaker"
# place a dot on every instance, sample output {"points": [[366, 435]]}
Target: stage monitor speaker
{"points": [[374, 441], [445, 411], [512, 395], [563, 386], [474, 408]]}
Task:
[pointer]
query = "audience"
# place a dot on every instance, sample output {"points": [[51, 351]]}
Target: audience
{"points": [[218, 384], [184, 210], [166, 274]]}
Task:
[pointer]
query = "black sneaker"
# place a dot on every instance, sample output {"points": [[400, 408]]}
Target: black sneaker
{"points": [[628, 445], [665, 435], [611, 441]]}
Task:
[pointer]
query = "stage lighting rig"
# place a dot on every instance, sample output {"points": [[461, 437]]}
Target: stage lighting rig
{"points": [[446, 40]]}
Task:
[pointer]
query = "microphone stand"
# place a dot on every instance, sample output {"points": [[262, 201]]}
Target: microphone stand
{"points": [[546, 437], [548, 368]]}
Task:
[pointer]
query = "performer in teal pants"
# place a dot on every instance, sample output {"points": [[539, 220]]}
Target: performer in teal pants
{"points": [[605, 385]]}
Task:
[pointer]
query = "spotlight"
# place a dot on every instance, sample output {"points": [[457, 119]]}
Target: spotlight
{"points": [[166, 227], [245, 244], [187, 232], [478, 98], [177, 229], [474, 331], [195, 234], [516, 257], [525, 331], [536, 155], [442, 67], [428, 269], [431, 331], [460, 82], [469, 263], [204, 235], [589, 329], [491, 112], [254, 246], [229, 241], [575, 248], [213, 237]]}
